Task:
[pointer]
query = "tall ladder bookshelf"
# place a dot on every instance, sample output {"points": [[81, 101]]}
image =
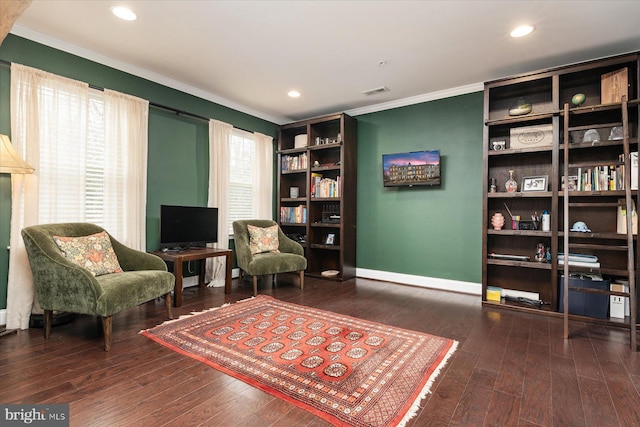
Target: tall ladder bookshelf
{"points": [[602, 242]]}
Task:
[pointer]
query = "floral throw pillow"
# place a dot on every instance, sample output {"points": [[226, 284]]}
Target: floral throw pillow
{"points": [[263, 239], [93, 252]]}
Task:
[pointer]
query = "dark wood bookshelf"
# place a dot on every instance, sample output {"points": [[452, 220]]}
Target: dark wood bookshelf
{"points": [[563, 150], [331, 148]]}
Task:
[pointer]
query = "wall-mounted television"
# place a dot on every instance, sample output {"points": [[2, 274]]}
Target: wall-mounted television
{"points": [[183, 227], [411, 169]]}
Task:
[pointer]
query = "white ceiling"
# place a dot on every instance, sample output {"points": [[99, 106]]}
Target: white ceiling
{"points": [[248, 54]]}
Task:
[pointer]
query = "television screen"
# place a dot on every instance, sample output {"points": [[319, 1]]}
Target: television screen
{"points": [[409, 169], [187, 226]]}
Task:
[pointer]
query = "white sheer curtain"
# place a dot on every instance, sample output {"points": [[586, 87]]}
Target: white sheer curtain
{"points": [[263, 176], [219, 137], [45, 110], [126, 128], [89, 152]]}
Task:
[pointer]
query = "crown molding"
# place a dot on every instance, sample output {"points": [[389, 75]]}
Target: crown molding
{"points": [[418, 99], [142, 72]]}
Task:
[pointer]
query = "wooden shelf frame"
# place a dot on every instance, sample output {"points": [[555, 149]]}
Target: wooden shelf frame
{"points": [[550, 92], [338, 157]]}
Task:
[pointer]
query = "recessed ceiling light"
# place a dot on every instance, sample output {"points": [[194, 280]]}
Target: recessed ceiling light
{"points": [[124, 13], [293, 93], [522, 30]]}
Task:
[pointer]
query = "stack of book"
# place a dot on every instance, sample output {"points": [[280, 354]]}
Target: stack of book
{"points": [[294, 163], [324, 187], [293, 215]]}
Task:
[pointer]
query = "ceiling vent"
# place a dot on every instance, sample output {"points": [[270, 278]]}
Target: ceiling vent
{"points": [[376, 90]]}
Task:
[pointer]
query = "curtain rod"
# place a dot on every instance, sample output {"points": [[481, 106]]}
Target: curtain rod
{"points": [[151, 104]]}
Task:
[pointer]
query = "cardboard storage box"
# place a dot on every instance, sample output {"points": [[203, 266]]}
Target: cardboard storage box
{"points": [[619, 306], [531, 136], [300, 141], [614, 86], [621, 222], [583, 303]]}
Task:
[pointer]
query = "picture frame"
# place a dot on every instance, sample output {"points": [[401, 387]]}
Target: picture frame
{"points": [[535, 183], [330, 239]]}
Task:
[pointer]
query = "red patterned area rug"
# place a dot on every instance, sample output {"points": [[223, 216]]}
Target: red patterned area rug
{"points": [[348, 371]]}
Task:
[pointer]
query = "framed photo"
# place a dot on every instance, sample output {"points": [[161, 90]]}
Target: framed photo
{"points": [[535, 183], [330, 239]]}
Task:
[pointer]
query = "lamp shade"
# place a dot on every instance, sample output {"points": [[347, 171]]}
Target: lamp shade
{"points": [[10, 161]]}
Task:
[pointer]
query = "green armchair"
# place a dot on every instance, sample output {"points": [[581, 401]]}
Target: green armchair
{"points": [[289, 259], [61, 285]]}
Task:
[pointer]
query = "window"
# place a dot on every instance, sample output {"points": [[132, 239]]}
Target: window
{"points": [[61, 163], [95, 171], [241, 166]]}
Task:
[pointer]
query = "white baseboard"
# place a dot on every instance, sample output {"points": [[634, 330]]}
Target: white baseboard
{"points": [[422, 281], [3, 316]]}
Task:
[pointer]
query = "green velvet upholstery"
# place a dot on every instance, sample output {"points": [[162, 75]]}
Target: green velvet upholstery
{"points": [[61, 285], [291, 257]]}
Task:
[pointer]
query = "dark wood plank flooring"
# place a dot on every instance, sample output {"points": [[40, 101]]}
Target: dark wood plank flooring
{"points": [[511, 369]]}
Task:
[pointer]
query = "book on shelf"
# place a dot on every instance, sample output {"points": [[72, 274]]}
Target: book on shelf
{"points": [[634, 170], [597, 178]]}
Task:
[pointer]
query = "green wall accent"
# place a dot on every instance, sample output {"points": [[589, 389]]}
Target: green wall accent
{"points": [[178, 159], [175, 141], [433, 232]]}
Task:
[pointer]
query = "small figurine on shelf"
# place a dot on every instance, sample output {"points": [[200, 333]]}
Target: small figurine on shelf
{"points": [[511, 185], [541, 253], [578, 99], [493, 188], [520, 107]]}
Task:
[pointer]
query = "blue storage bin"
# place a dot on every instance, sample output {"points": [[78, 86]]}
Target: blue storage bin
{"points": [[583, 303]]}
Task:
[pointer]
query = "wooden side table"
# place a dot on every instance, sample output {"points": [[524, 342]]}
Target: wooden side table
{"points": [[178, 257]]}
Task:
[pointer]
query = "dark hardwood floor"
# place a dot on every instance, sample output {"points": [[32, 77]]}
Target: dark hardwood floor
{"points": [[510, 369]]}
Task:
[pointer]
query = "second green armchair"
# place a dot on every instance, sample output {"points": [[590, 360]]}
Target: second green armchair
{"points": [[290, 257]]}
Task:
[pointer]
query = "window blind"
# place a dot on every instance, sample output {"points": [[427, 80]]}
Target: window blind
{"points": [[242, 163]]}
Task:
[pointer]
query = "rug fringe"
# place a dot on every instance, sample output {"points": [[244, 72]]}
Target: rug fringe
{"points": [[415, 407], [194, 313]]}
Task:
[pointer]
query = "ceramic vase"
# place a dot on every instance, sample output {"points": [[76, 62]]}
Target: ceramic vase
{"points": [[497, 221]]}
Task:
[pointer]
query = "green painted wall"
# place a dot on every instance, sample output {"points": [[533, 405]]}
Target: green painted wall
{"points": [[433, 232], [178, 165]]}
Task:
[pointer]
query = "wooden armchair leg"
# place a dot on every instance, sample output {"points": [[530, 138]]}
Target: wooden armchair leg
{"points": [[301, 279], [167, 304], [107, 327], [48, 319], [255, 286]]}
